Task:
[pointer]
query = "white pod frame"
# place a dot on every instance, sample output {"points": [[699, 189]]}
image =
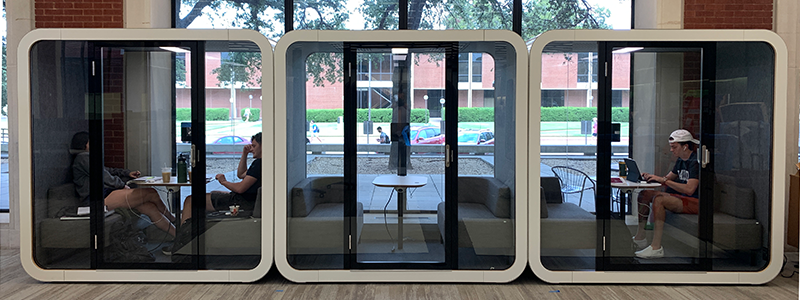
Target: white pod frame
{"points": [[25, 155], [784, 155]]}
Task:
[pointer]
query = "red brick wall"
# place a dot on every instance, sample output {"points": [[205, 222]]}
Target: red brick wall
{"points": [[95, 14], [78, 13], [727, 14]]}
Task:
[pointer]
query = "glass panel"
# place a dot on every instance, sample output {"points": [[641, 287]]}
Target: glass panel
{"points": [[662, 189], [401, 185], [315, 162], [460, 15], [59, 81], [263, 16], [568, 162], [541, 16], [347, 15], [741, 159], [486, 163], [233, 137], [136, 147]]}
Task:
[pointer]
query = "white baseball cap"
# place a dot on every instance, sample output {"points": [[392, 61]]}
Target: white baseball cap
{"points": [[682, 135]]}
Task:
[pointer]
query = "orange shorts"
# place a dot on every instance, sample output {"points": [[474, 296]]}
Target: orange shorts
{"points": [[691, 205]]}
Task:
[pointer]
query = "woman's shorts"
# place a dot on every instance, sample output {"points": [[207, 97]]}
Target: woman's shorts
{"points": [[223, 201]]}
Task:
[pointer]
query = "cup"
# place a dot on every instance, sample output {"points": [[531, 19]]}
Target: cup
{"points": [[234, 210], [165, 174]]}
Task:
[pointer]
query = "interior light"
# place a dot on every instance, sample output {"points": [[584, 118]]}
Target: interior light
{"points": [[399, 50], [175, 49], [627, 50]]}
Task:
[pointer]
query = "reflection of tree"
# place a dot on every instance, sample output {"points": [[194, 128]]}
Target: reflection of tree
{"points": [[239, 67], [267, 17]]}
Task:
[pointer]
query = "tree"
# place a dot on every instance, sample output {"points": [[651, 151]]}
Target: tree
{"points": [[267, 16]]}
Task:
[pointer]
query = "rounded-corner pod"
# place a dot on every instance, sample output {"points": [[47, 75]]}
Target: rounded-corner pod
{"points": [[781, 153], [284, 51], [28, 261]]}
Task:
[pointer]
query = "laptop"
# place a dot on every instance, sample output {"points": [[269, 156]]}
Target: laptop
{"points": [[634, 175]]}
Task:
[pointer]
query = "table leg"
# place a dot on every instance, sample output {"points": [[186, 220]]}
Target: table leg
{"points": [[401, 200]]}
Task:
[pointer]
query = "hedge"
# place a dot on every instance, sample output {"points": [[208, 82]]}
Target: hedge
{"points": [[379, 115], [574, 114], [255, 114], [471, 114], [212, 114]]}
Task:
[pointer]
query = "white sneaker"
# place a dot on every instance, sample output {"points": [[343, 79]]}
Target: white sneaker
{"points": [[640, 244], [648, 253]]}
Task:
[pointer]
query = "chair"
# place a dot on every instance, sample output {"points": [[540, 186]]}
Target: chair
{"points": [[573, 181]]}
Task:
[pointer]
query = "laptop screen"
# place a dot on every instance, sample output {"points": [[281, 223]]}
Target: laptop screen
{"points": [[634, 174]]}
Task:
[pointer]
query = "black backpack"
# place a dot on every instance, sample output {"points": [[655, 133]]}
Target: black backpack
{"points": [[127, 244]]}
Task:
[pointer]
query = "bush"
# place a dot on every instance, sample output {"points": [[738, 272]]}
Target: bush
{"points": [[379, 115], [476, 114], [255, 114], [212, 114], [218, 114], [574, 114]]}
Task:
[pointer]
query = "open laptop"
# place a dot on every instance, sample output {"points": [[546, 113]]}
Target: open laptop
{"points": [[634, 174]]}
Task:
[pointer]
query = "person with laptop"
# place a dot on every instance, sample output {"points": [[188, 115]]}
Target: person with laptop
{"points": [[680, 195]]}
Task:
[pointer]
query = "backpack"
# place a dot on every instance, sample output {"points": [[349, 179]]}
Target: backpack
{"points": [[127, 244]]}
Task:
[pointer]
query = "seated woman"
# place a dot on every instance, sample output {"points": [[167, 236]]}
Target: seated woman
{"points": [[115, 193]]}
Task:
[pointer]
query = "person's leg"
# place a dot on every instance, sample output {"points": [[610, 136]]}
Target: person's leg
{"points": [[187, 207], [644, 201], [660, 204], [157, 217], [132, 198]]}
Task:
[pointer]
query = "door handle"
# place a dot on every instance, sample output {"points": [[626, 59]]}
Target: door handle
{"points": [[447, 156], [705, 157], [193, 155]]}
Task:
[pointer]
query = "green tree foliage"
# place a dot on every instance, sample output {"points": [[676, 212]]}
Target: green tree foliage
{"points": [[267, 17], [239, 67]]}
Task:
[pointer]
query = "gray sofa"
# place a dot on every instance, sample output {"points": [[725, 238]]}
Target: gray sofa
{"points": [[735, 225], [54, 233], [484, 216], [561, 219], [316, 217]]}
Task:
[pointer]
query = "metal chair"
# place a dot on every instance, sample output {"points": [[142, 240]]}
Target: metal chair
{"points": [[573, 181]]}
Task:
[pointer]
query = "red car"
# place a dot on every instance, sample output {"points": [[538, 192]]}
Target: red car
{"points": [[231, 140], [426, 136]]}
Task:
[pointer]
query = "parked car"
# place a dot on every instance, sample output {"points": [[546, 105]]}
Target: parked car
{"points": [[231, 140], [426, 136], [476, 138]]}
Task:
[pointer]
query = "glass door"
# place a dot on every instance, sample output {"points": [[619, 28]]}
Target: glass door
{"points": [[656, 201], [399, 160], [141, 156]]}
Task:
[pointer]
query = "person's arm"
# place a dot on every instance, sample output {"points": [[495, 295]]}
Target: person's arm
{"points": [[237, 187], [241, 171], [687, 188]]}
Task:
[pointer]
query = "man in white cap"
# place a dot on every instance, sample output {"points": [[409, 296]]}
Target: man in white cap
{"points": [[680, 195]]}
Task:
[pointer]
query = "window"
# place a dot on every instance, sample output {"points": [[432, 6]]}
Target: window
{"points": [[552, 98], [469, 63], [584, 68]]}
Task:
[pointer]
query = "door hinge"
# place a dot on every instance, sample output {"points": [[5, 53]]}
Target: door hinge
{"points": [[604, 243], [605, 69], [348, 69], [92, 68], [350, 242], [95, 242]]}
